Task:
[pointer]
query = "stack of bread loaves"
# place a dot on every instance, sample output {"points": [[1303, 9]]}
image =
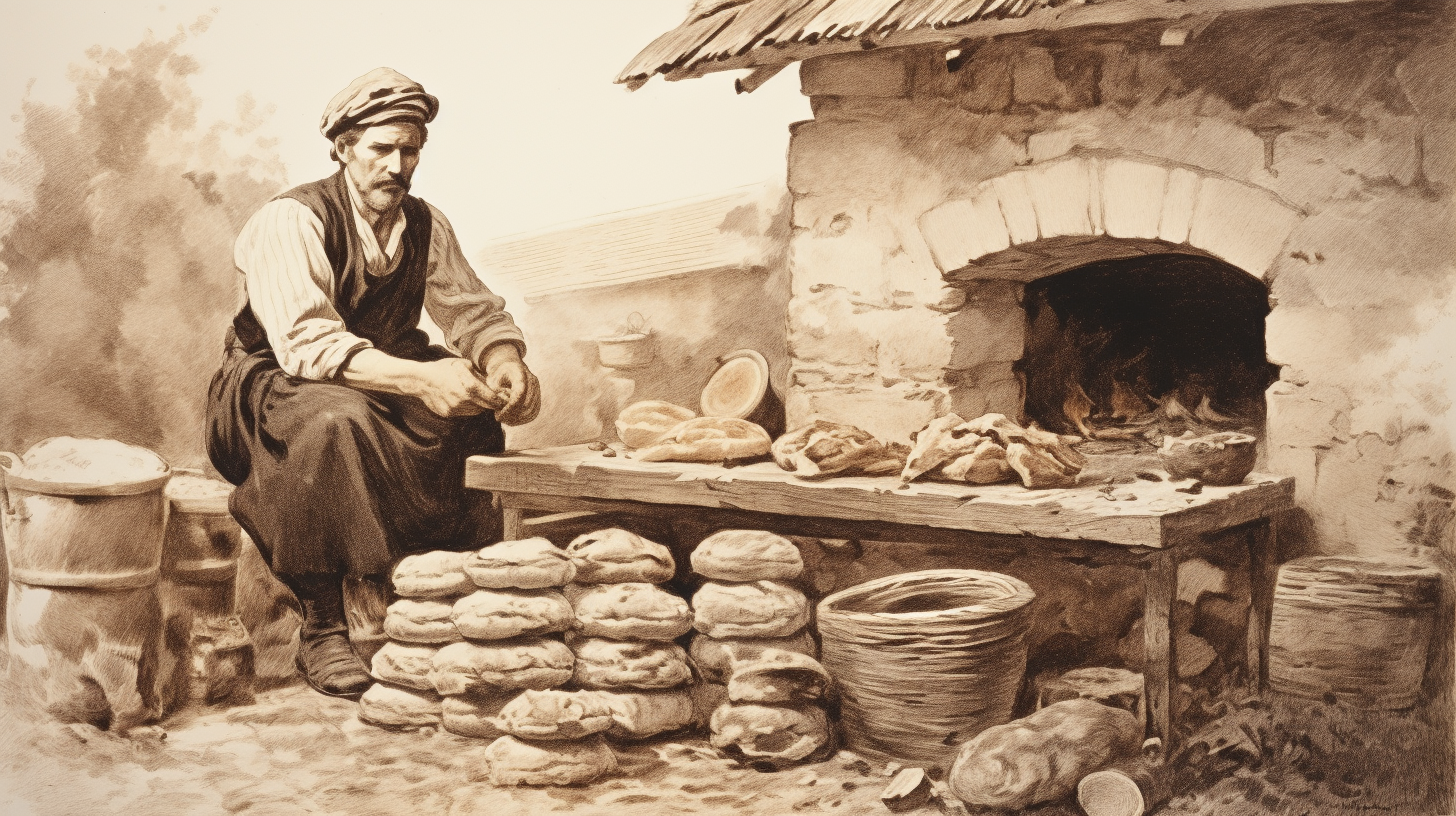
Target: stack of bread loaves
{"points": [[754, 647], [475, 628], [626, 625]]}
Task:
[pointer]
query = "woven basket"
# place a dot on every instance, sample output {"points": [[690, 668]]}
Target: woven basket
{"points": [[1352, 628], [925, 660]]}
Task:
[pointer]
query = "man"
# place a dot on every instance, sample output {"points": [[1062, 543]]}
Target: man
{"points": [[343, 428]]}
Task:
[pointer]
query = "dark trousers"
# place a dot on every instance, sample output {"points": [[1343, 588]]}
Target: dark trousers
{"points": [[334, 480]]}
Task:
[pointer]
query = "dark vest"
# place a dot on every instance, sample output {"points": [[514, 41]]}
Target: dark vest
{"points": [[388, 313]]}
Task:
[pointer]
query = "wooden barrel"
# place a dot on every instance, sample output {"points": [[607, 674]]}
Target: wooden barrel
{"points": [[203, 540], [1356, 629], [925, 660], [103, 536]]}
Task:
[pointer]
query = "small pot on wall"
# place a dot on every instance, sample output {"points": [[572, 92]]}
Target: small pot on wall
{"points": [[633, 348]]}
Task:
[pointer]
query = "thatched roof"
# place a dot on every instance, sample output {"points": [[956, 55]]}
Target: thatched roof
{"points": [[721, 35]]}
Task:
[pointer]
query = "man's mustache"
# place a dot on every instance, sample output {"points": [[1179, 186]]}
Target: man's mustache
{"points": [[393, 182]]}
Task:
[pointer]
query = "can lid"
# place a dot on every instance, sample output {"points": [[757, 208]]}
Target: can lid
{"points": [[191, 492]]}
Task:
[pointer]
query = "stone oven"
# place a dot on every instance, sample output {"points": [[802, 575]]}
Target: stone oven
{"points": [[1263, 186]]}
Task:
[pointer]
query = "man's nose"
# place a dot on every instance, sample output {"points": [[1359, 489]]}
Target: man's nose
{"points": [[393, 162]]}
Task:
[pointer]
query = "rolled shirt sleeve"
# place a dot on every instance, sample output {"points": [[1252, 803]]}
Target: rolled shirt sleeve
{"points": [[290, 286], [472, 317]]}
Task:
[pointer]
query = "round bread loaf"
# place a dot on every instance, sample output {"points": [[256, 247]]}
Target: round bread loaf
{"points": [[631, 612], [515, 761], [778, 676], [438, 574], [760, 609], [497, 614], [747, 555], [412, 621], [526, 663], [616, 664], [531, 563], [770, 736], [714, 658], [473, 715], [555, 715], [642, 714], [404, 665], [615, 556], [399, 707]]}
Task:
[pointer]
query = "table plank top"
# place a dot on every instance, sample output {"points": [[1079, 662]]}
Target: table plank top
{"points": [[1139, 514]]}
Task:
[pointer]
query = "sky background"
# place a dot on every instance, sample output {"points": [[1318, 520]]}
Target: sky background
{"points": [[532, 132]]}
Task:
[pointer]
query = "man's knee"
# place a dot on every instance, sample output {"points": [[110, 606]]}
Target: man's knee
{"points": [[337, 409]]}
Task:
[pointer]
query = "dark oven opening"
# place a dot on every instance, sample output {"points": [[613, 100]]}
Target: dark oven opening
{"points": [[1122, 352]]}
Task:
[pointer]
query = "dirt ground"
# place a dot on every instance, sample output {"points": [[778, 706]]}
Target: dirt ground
{"points": [[298, 752]]}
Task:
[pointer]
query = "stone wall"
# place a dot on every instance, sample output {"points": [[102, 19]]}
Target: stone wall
{"points": [[1312, 147], [708, 305]]}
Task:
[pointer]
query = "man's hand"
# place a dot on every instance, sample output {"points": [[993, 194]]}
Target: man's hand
{"points": [[516, 387], [452, 387]]}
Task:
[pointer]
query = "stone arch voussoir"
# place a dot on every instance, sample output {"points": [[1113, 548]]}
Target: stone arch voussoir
{"points": [[1145, 204]]}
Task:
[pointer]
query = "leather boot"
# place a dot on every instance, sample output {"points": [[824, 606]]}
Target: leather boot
{"points": [[325, 656]]}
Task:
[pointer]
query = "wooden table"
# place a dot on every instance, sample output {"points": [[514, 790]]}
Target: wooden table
{"points": [[1156, 529]]}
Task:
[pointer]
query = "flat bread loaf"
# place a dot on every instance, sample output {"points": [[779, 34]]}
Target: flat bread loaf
{"points": [[515, 761], [771, 736], [412, 621], [641, 714], [636, 611], [525, 663], [714, 658], [497, 614], [404, 664], [531, 563], [708, 439], [761, 609], [555, 715], [438, 574], [398, 707], [616, 664], [473, 715], [747, 555], [615, 556]]}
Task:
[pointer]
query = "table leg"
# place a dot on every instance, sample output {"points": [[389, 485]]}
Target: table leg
{"points": [[1262, 543], [1160, 587], [513, 523]]}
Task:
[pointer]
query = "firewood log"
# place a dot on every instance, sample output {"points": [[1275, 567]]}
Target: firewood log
{"points": [[1128, 788], [1042, 757], [910, 789]]}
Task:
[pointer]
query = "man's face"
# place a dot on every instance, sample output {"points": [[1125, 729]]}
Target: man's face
{"points": [[382, 162]]}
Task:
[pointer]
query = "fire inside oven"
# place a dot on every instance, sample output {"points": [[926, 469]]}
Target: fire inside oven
{"points": [[1123, 352]]}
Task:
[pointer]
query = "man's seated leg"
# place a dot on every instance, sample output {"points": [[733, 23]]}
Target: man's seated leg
{"points": [[325, 657]]}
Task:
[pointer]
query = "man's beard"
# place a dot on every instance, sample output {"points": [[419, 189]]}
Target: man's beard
{"points": [[386, 194]]}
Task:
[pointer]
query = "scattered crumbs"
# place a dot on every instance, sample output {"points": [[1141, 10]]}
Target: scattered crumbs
{"points": [[609, 452], [905, 486], [1192, 490], [808, 779], [596, 446], [1151, 477]]}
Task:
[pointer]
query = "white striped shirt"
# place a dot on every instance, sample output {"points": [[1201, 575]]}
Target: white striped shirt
{"points": [[289, 282]]}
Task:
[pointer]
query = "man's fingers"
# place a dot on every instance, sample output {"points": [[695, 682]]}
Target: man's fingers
{"points": [[481, 394]]}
